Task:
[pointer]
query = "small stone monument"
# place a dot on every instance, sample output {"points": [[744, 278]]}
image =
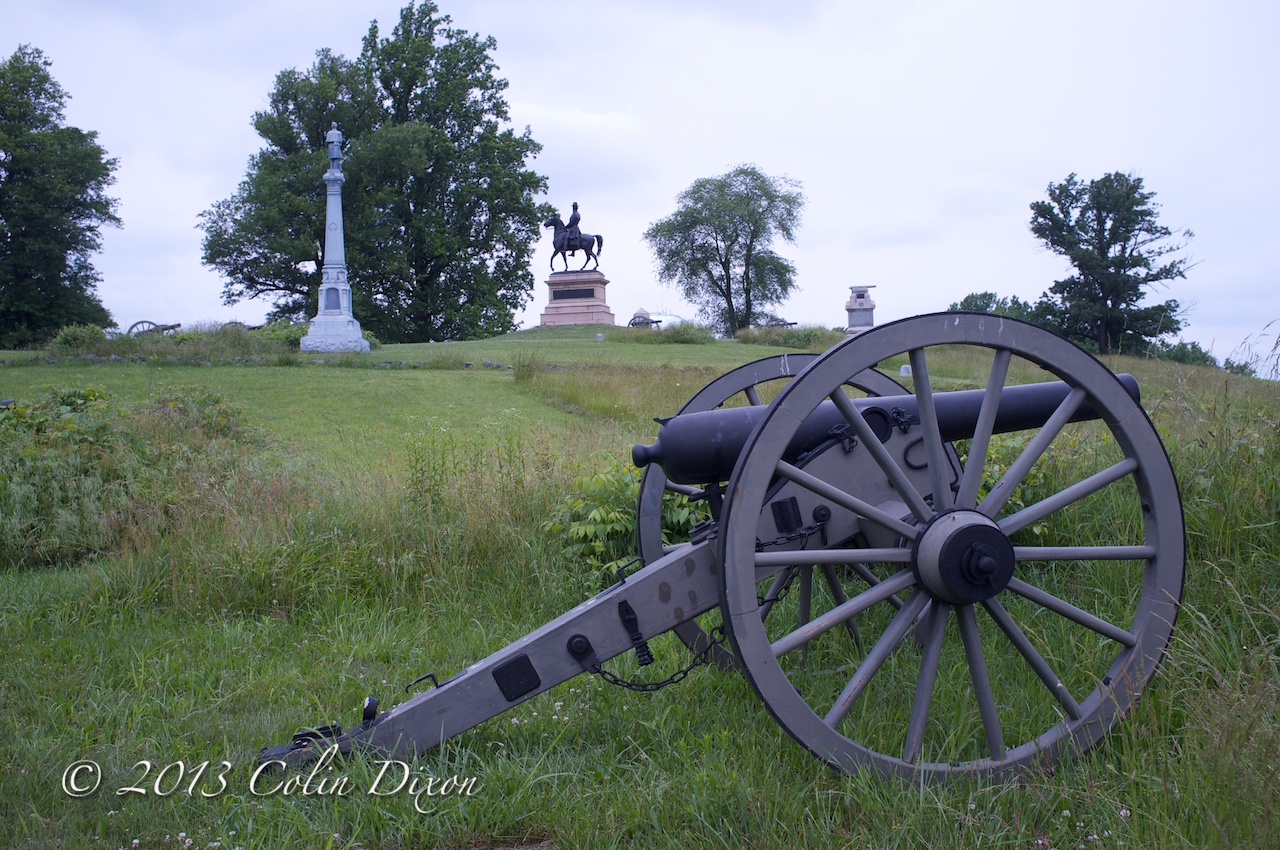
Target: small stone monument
{"points": [[576, 298], [860, 308], [335, 327]]}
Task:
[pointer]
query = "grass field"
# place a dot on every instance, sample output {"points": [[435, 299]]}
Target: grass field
{"points": [[282, 538]]}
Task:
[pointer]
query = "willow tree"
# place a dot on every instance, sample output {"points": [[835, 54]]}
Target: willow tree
{"points": [[716, 246]]}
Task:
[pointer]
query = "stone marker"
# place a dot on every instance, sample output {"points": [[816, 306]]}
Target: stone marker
{"points": [[860, 308]]}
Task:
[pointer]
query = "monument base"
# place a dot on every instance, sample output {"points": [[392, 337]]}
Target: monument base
{"points": [[332, 334], [577, 298]]}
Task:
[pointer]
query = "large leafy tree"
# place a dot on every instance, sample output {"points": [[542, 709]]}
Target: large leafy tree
{"points": [[53, 204], [438, 204], [716, 245], [1109, 230]]}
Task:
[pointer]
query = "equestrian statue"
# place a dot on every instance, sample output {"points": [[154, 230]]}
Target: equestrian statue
{"points": [[568, 239]]}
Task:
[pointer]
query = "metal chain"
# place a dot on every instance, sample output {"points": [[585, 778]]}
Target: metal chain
{"points": [[803, 534], [703, 657]]}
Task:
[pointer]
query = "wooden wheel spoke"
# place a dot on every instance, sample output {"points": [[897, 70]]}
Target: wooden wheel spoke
{"points": [[1071, 612], [1067, 496], [935, 454], [753, 397], [928, 675], [837, 594], [981, 681], [867, 439], [804, 557], [1033, 658], [842, 612], [684, 490], [893, 635], [967, 493], [1036, 447], [1083, 553]]}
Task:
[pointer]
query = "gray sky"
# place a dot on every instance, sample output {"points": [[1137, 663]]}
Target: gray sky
{"points": [[920, 131]]}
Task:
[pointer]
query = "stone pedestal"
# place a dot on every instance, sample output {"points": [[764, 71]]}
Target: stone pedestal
{"points": [[334, 328], [577, 298], [860, 308]]}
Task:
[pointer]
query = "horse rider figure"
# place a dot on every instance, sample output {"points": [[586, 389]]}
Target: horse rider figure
{"points": [[573, 234]]}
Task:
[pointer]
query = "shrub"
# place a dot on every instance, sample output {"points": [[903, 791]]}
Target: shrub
{"points": [[686, 333], [1183, 352], [283, 332], [75, 340], [804, 338], [597, 522]]}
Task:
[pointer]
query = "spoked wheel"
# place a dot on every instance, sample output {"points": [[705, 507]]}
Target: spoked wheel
{"points": [[140, 328], [1040, 584], [754, 383]]}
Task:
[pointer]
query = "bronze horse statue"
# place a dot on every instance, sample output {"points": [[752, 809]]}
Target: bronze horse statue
{"points": [[565, 244]]}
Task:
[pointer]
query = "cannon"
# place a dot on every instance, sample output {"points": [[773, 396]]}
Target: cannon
{"points": [[924, 584], [145, 327]]}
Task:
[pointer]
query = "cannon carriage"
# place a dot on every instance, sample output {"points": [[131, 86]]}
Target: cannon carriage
{"points": [[923, 583]]}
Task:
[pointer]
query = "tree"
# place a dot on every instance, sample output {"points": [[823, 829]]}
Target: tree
{"points": [[438, 208], [1109, 231], [989, 302], [716, 245], [53, 203]]}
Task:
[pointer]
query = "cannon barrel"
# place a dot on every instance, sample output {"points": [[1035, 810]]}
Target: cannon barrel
{"points": [[702, 448]]}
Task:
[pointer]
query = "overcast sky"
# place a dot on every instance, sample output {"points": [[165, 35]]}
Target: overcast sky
{"points": [[920, 132]]}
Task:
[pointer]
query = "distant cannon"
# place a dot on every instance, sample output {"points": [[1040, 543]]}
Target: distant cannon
{"points": [[144, 328], [907, 590]]}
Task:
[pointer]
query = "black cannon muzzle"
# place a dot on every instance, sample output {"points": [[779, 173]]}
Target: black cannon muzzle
{"points": [[702, 448]]}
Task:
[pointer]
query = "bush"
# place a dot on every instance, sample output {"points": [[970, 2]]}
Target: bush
{"points": [[1183, 352], [803, 338], [74, 340], [685, 333], [283, 332], [598, 520]]}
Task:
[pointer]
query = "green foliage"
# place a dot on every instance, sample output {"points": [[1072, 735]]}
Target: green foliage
{"points": [[210, 344], [79, 339], [1182, 352], [716, 245], [1108, 230], [77, 471], [1243, 368], [597, 521], [288, 333], [989, 302], [438, 205], [53, 203], [804, 338], [685, 333]]}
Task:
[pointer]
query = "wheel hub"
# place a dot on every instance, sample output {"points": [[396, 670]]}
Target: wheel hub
{"points": [[963, 557]]}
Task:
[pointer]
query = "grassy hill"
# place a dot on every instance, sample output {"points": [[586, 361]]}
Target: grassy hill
{"points": [[226, 552]]}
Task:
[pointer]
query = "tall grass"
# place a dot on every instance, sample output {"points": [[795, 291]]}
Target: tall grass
{"points": [[259, 585]]}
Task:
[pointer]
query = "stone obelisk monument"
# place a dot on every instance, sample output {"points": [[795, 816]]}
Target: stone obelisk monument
{"points": [[334, 328]]}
